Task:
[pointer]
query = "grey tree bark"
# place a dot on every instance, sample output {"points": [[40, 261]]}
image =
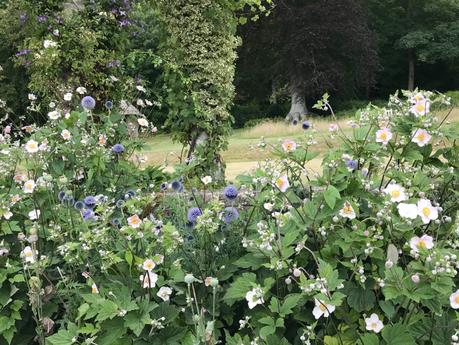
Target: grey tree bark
{"points": [[298, 107]]}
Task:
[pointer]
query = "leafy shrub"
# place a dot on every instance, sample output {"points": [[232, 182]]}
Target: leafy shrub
{"points": [[454, 95], [97, 251]]}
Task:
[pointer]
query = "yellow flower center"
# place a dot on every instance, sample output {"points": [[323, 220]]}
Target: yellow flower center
{"points": [[422, 244], [456, 299], [395, 193], [149, 265], [421, 136], [347, 209], [420, 107], [28, 254], [279, 182], [322, 307], [374, 325], [426, 211], [383, 136]]}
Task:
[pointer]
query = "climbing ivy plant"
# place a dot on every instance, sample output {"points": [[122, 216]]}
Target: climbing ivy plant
{"points": [[199, 50]]}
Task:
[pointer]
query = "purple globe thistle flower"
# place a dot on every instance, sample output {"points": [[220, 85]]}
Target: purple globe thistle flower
{"points": [[68, 200], [23, 52], [351, 164], [193, 214], [118, 148], [230, 192], [115, 222], [131, 193], [306, 125], [23, 17], [87, 214], [177, 186], [79, 205], [61, 195], [42, 19], [109, 105], [88, 102], [230, 214], [294, 122], [90, 201]]}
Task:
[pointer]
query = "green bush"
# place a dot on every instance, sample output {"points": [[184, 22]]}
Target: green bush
{"points": [[95, 250], [454, 95]]}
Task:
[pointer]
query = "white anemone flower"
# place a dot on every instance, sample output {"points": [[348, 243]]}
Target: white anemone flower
{"points": [[322, 309], [373, 323]]}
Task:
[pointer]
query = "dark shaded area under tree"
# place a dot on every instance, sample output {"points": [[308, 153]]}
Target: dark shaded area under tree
{"points": [[355, 50]]}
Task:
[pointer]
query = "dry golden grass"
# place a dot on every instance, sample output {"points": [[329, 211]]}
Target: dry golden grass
{"points": [[243, 155]]}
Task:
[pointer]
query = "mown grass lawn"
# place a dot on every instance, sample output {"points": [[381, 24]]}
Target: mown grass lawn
{"points": [[243, 154]]}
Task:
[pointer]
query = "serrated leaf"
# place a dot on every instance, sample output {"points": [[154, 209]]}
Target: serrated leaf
{"points": [[360, 299], [289, 303], [397, 335], [113, 330], [63, 337], [370, 339], [239, 288], [108, 310]]}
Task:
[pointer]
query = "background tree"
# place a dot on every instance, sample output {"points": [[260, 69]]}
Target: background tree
{"points": [[312, 46], [417, 34]]}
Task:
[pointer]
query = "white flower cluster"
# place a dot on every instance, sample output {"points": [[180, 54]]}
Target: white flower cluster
{"points": [[265, 239]]}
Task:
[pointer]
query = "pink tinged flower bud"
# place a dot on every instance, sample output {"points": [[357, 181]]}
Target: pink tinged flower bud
{"points": [[296, 272], [389, 264], [366, 233], [288, 281], [415, 278]]}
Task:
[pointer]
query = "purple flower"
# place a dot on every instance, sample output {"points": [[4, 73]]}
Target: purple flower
{"points": [[42, 19], [68, 200], [177, 186], [87, 214], [351, 164], [23, 17], [124, 22], [61, 195], [90, 201], [109, 104], [306, 125], [79, 205], [23, 52], [115, 222], [294, 122], [118, 148], [193, 214], [230, 192], [88, 102], [113, 64], [230, 214]]}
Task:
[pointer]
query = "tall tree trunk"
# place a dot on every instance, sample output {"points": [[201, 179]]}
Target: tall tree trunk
{"points": [[410, 69], [298, 105]]}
